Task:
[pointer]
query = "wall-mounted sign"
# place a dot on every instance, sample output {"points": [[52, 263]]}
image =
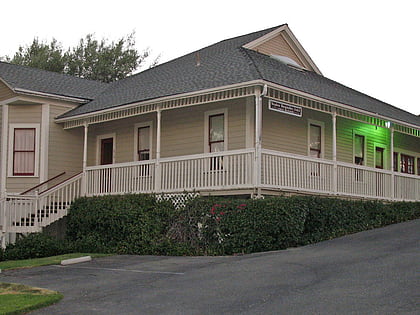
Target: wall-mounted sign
{"points": [[285, 108]]}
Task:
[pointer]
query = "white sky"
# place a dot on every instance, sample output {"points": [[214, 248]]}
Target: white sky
{"points": [[370, 45]]}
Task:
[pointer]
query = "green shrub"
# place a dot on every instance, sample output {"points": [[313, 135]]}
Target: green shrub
{"points": [[35, 245], [126, 224]]}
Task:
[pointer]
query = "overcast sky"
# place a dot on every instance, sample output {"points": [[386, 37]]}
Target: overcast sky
{"points": [[369, 45]]}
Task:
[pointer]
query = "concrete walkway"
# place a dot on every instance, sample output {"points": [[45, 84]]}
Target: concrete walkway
{"points": [[373, 272]]}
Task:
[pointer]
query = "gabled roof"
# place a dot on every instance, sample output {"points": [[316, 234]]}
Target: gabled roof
{"points": [[230, 62], [21, 79]]}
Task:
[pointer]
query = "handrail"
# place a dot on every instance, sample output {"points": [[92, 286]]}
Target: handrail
{"points": [[43, 183], [64, 181]]}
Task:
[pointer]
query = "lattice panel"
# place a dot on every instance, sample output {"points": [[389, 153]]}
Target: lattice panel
{"points": [[178, 200]]}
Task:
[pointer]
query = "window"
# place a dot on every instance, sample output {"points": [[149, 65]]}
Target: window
{"points": [[216, 133], [395, 166], [143, 143], [314, 141], [24, 151], [418, 166], [407, 164], [359, 149], [107, 151], [379, 157]]}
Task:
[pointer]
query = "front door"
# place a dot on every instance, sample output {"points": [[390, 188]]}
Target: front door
{"points": [[107, 151]]}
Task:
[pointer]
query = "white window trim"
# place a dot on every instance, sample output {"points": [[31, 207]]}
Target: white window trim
{"points": [[386, 155], [209, 113], [98, 146], [416, 155], [12, 128], [136, 127], [364, 148], [322, 125]]}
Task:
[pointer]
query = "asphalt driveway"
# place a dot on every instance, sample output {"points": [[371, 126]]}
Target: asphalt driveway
{"points": [[373, 272]]}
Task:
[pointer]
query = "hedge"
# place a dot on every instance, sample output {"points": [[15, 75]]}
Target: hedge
{"points": [[139, 224]]}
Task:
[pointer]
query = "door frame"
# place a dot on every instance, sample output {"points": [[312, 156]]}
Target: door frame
{"points": [[99, 147]]}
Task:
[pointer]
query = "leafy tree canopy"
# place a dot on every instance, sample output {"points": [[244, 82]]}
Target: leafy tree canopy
{"points": [[91, 59]]}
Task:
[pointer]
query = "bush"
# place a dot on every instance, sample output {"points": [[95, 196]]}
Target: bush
{"points": [[35, 245], [126, 224]]}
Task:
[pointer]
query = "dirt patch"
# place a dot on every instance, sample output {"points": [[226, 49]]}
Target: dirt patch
{"points": [[13, 288]]}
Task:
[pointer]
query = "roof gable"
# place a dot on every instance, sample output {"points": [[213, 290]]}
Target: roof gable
{"points": [[282, 42]]}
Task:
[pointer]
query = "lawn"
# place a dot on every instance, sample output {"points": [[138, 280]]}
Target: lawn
{"points": [[36, 262], [19, 298]]}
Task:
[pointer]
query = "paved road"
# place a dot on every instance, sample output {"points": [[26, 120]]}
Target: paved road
{"points": [[373, 272]]}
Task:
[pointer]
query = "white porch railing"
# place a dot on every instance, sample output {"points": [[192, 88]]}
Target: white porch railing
{"points": [[29, 213], [212, 171], [133, 177], [295, 172]]}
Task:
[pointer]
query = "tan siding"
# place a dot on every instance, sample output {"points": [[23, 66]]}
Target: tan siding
{"points": [[5, 92], [65, 148], [182, 131], [124, 142], [278, 46], [374, 136], [23, 114], [286, 133]]}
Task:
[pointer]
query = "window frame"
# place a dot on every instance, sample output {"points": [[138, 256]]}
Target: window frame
{"points": [[355, 134], [407, 156], [11, 151], [99, 139], [322, 129], [136, 140], [207, 115]]}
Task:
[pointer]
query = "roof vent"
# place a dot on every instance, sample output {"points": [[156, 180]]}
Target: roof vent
{"points": [[287, 61]]}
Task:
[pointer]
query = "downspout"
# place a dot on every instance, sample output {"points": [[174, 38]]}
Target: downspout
{"points": [[258, 139]]}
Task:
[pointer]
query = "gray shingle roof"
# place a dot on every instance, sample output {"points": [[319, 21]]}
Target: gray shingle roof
{"points": [[41, 81], [226, 63]]}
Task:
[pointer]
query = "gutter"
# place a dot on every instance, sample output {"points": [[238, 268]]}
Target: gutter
{"points": [[54, 96]]}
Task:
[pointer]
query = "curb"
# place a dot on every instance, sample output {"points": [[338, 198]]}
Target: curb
{"points": [[75, 260]]}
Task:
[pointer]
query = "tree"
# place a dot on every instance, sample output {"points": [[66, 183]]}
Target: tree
{"points": [[90, 59]]}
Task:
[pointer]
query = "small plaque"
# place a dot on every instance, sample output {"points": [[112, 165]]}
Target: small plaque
{"points": [[285, 108]]}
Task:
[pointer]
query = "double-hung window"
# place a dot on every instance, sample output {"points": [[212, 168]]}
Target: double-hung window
{"points": [[216, 136], [24, 153], [359, 150], [143, 143], [315, 140], [407, 164]]}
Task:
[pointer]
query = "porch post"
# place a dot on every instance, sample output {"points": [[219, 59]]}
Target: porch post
{"points": [[392, 164], [85, 143], [158, 179], [334, 150], [4, 144], [258, 140]]}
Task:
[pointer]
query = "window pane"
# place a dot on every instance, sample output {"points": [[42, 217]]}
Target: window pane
{"points": [[217, 147], [24, 163], [25, 139], [144, 138], [359, 149], [315, 137], [217, 128], [379, 158]]}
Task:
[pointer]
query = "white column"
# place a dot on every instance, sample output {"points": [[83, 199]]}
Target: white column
{"points": [[392, 164], [45, 126], [85, 144], [334, 149], [4, 142], [158, 179], [258, 140]]}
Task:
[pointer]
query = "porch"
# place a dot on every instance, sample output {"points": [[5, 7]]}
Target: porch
{"points": [[248, 172]]}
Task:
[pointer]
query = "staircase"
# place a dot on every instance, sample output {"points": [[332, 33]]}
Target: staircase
{"points": [[30, 213]]}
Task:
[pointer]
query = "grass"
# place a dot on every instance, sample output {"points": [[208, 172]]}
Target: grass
{"points": [[19, 298], [36, 262]]}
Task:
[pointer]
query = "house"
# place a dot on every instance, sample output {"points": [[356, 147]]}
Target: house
{"points": [[251, 115]]}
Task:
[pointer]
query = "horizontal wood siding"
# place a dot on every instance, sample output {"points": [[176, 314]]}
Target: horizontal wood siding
{"points": [[65, 148], [278, 46], [30, 114], [124, 142], [5, 92], [183, 129], [406, 142], [374, 136], [286, 133]]}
